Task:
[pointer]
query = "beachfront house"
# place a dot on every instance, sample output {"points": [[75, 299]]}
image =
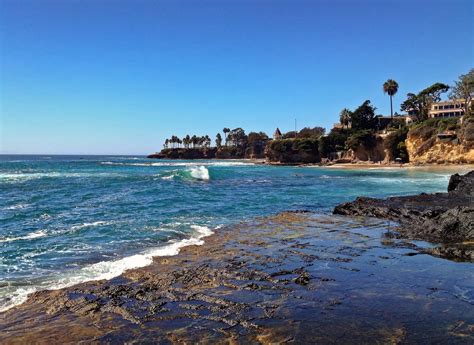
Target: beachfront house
{"points": [[450, 108]]}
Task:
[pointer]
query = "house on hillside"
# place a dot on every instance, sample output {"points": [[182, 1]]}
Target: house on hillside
{"points": [[451, 108]]}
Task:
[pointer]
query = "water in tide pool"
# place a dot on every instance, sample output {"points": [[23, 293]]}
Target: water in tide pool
{"points": [[69, 219]]}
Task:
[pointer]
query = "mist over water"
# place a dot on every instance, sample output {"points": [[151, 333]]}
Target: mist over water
{"points": [[69, 219]]}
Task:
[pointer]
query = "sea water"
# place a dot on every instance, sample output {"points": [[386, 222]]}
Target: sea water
{"points": [[70, 219]]}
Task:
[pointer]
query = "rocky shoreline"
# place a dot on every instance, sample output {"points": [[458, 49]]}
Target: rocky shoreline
{"points": [[445, 218], [294, 277]]}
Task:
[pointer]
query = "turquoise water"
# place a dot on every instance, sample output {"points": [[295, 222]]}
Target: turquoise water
{"points": [[69, 219]]}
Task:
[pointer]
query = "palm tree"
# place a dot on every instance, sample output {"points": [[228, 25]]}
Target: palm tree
{"points": [[390, 87], [345, 117], [188, 141], [226, 130], [218, 140]]}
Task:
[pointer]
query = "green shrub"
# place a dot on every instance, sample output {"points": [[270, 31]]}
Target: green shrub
{"points": [[363, 138], [394, 143]]}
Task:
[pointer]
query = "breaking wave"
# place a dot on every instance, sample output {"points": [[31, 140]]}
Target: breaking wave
{"points": [[182, 164], [109, 269], [191, 173]]}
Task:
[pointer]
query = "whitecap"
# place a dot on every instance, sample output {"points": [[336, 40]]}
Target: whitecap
{"points": [[199, 172], [16, 207], [87, 225], [30, 236], [182, 164]]}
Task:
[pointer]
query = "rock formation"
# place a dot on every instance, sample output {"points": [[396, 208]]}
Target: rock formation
{"points": [[446, 218], [426, 145]]}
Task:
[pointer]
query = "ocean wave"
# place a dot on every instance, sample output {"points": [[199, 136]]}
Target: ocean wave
{"points": [[182, 164], [21, 177], [191, 173], [199, 172], [328, 177], [109, 269], [16, 207], [87, 225], [30, 236]]}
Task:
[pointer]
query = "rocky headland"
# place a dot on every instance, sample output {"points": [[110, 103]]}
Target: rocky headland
{"points": [[446, 218]]}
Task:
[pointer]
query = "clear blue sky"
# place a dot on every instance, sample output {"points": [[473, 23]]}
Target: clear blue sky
{"points": [[105, 77]]}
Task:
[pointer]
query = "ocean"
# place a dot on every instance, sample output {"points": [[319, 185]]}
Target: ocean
{"points": [[71, 219]]}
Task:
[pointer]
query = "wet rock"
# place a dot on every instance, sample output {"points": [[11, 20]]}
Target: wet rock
{"points": [[442, 217], [303, 279]]}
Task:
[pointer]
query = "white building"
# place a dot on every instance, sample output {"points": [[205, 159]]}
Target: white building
{"points": [[451, 108]]}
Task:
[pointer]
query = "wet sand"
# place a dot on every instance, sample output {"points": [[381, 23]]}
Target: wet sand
{"points": [[293, 277]]}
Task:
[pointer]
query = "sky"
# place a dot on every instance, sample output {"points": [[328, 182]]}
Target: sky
{"points": [[118, 77]]}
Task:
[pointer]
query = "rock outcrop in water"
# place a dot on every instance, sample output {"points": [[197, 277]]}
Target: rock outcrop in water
{"points": [[446, 218]]}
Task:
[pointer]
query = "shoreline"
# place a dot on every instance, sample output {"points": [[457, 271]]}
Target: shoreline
{"points": [[355, 165], [249, 283]]}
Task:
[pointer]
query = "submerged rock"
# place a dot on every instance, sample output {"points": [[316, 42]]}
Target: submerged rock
{"points": [[442, 217]]}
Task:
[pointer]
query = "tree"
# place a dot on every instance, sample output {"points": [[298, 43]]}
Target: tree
{"points": [[237, 137], [390, 87], [218, 140], [226, 130], [419, 105], [463, 88], [188, 140], [289, 135], [308, 132], [364, 117], [166, 143], [207, 141], [345, 117]]}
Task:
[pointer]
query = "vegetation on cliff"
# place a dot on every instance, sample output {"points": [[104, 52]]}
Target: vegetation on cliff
{"points": [[297, 150], [441, 140], [361, 135]]}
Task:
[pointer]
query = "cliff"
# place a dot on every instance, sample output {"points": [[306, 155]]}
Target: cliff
{"points": [[442, 141], [293, 151], [185, 153], [223, 152]]}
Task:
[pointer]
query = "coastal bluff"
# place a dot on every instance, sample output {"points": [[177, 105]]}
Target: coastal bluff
{"points": [[446, 218], [434, 141], [431, 145]]}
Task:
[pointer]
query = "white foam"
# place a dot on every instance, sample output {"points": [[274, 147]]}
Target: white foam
{"points": [[87, 225], [20, 177], [110, 269], [30, 236], [16, 207], [183, 164], [199, 172]]}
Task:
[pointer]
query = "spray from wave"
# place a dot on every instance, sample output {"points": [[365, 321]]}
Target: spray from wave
{"points": [[200, 173], [191, 173]]}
